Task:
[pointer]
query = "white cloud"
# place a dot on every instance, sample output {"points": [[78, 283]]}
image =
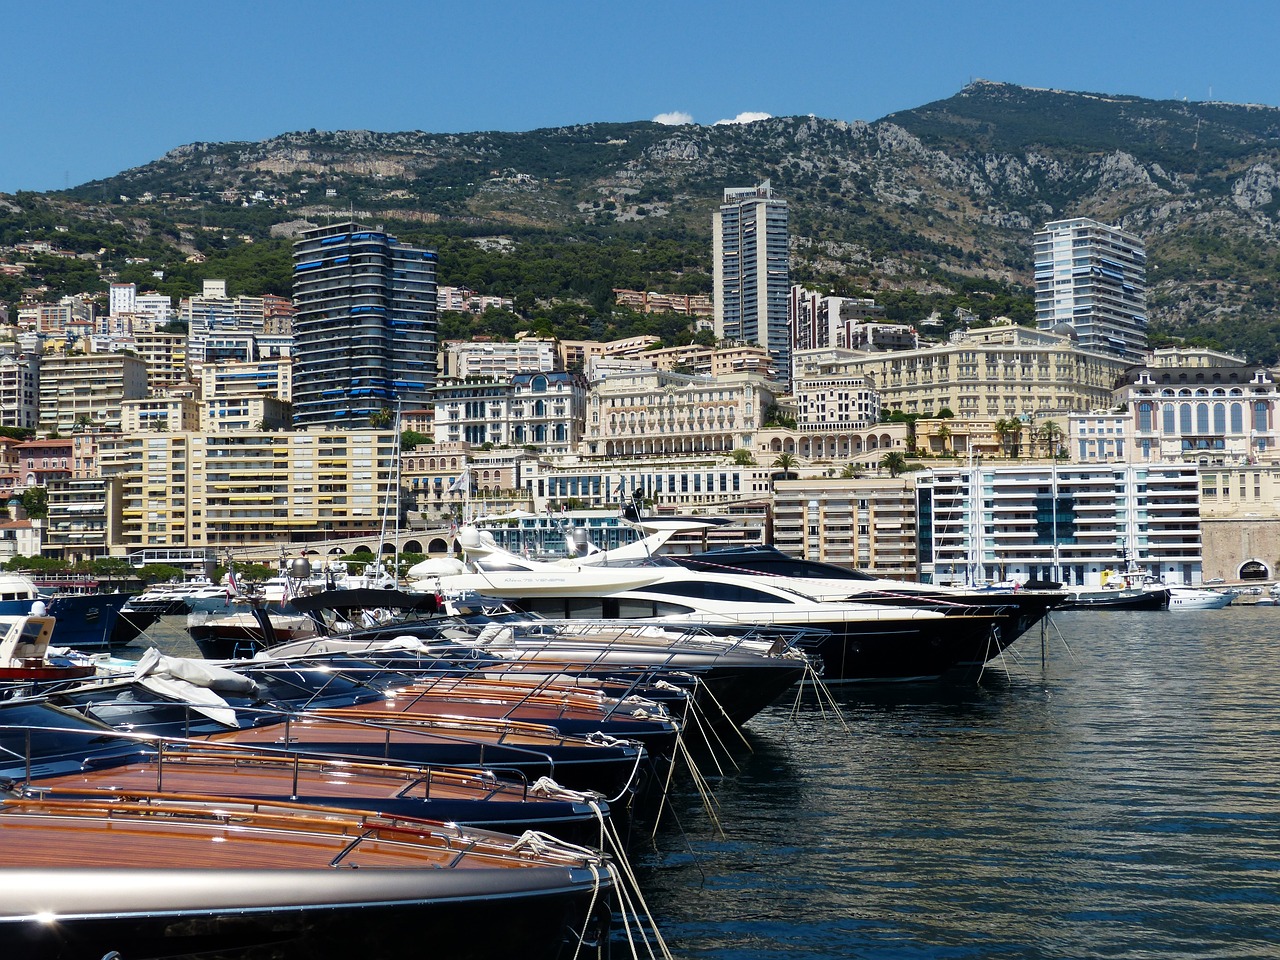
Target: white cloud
{"points": [[675, 118], [747, 116]]}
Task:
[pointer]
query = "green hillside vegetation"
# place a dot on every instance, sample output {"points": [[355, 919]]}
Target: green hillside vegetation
{"points": [[928, 210]]}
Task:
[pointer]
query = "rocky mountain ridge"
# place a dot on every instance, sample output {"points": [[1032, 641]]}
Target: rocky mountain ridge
{"points": [[918, 200]]}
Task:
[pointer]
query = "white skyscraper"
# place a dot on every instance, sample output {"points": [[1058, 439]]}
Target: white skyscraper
{"points": [[752, 272], [1093, 277]]}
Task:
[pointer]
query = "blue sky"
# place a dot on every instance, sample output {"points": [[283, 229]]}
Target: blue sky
{"points": [[90, 89]]}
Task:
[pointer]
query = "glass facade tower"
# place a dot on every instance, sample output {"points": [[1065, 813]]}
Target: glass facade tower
{"points": [[1093, 277], [752, 272], [365, 328]]}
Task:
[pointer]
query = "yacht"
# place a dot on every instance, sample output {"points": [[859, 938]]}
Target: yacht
{"points": [[1198, 598], [857, 641]]}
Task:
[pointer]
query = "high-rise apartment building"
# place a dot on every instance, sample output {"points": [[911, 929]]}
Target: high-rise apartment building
{"points": [[365, 327], [751, 272], [1093, 277]]}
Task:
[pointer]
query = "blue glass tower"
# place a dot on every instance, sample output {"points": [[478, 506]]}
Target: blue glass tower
{"points": [[364, 335]]}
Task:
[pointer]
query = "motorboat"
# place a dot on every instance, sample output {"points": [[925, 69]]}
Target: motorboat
{"points": [[1197, 598], [243, 631], [28, 664], [167, 599], [725, 680], [47, 751], [161, 876], [231, 711], [861, 641], [87, 620], [570, 709], [297, 578], [1124, 595], [1020, 607], [251, 626]]}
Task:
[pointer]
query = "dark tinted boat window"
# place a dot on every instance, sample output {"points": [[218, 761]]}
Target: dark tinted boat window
{"points": [[714, 590]]}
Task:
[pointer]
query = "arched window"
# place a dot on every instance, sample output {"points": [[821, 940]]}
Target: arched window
{"points": [[1261, 421], [1202, 418], [1144, 416], [1169, 428], [1184, 419], [1219, 418], [1237, 418]]}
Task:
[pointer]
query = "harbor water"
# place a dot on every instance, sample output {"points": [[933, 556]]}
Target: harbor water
{"points": [[1120, 800]]}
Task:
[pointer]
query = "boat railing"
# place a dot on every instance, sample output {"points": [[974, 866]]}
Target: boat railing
{"points": [[750, 635], [391, 726], [167, 751]]}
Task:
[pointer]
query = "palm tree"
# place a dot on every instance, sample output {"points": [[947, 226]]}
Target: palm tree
{"points": [[943, 433], [895, 461], [1052, 434], [1010, 433], [785, 462], [851, 471]]}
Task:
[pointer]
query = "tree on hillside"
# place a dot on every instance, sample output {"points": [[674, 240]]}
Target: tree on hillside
{"points": [[895, 461]]}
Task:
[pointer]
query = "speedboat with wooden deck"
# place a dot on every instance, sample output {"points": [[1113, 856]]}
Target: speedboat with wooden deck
{"points": [[606, 765], [160, 876], [47, 751]]}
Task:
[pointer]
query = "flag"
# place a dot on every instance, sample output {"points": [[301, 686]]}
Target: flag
{"points": [[462, 481], [233, 587]]}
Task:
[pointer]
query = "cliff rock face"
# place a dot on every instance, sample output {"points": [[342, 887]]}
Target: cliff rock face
{"points": [[952, 188]]}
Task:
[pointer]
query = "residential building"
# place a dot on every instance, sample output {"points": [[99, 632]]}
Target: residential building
{"points": [[712, 361], [88, 388], [157, 306], [19, 390], [662, 413], [365, 326], [81, 512], [826, 397], [234, 414], [247, 493], [1051, 521], [647, 301], [751, 272], [160, 414], [460, 300], [21, 538], [122, 298], [57, 318], [165, 355], [260, 378], [43, 460], [1000, 371], [544, 410], [1092, 278], [496, 359], [868, 523], [818, 321]]}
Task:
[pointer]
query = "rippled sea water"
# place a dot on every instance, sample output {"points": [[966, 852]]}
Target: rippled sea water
{"points": [[1120, 800]]}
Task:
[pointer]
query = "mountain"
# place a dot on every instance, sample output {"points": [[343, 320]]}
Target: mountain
{"points": [[935, 202]]}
